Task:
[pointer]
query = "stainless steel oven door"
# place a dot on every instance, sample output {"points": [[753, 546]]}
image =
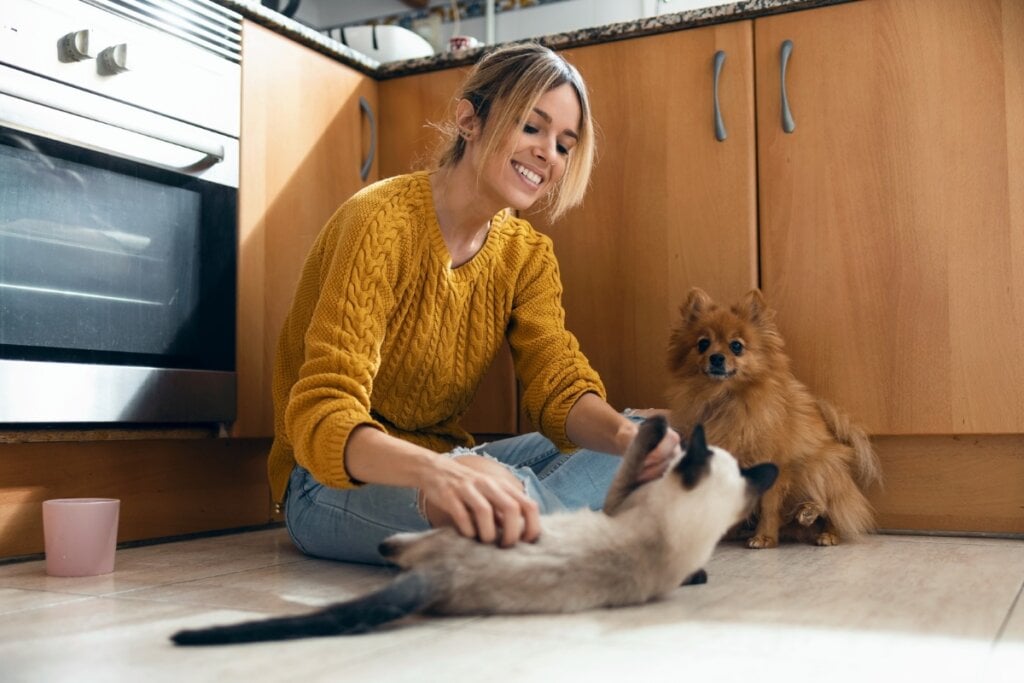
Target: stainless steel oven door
{"points": [[117, 261]]}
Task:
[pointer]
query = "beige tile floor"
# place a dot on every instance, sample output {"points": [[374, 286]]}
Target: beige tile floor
{"points": [[886, 608]]}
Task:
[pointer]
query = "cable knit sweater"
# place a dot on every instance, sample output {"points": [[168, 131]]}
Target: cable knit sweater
{"points": [[384, 332]]}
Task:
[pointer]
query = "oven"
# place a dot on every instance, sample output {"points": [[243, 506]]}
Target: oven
{"points": [[119, 125]]}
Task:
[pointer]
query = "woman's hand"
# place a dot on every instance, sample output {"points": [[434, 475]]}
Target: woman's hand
{"points": [[481, 499], [594, 424], [478, 496]]}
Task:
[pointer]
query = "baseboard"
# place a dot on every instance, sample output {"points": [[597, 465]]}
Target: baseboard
{"points": [[170, 488], [951, 484], [167, 487]]}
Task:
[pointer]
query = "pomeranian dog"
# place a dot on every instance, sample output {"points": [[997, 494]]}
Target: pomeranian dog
{"points": [[730, 373]]}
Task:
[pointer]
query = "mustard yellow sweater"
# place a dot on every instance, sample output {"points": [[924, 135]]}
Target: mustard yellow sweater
{"points": [[383, 332]]}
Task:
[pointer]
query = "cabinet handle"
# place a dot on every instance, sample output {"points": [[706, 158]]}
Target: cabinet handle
{"points": [[364, 171], [788, 125], [720, 132]]}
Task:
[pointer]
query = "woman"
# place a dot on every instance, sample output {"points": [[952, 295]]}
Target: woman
{"points": [[407, 295]]}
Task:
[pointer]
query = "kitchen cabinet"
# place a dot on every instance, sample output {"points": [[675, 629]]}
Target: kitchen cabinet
{"points": [[304, 141], [892, 240], [886, 228], [892, 218], [670, 206], [408, 107]]}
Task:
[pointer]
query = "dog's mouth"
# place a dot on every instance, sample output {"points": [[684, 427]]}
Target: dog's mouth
{"points": [[720, 374]]}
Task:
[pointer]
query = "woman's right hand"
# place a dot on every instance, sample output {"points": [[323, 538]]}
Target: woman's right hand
{"points": [[476, 495], [481, 499]]}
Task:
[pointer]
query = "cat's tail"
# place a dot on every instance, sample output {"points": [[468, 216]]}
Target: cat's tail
{"points": [[868, 470], [409, 593]]}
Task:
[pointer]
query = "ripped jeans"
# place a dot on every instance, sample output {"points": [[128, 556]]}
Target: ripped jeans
{"points": [[349, 524]]}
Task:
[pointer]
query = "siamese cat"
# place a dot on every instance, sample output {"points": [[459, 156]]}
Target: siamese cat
{"points": [[649, 539]]}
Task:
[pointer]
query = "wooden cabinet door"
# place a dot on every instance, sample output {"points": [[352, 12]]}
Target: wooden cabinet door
{"points": [[304, 139], [892, 217], [669, 207], [410, 108]]}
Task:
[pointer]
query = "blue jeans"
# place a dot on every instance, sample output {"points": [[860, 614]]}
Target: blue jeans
{"points": [[349, 524]]}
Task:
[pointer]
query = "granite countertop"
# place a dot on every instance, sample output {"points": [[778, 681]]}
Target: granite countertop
{"points": [[735, 11]]}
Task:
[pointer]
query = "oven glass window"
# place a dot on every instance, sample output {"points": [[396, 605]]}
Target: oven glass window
{"points": [[107, 260]]}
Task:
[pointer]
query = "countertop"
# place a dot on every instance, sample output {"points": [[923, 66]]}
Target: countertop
{"points": [[745, 9]]}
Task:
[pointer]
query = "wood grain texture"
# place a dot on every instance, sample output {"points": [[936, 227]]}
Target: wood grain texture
{"points": [[409, 108], [166, 487], [892, 219], [303, 141], [951, 483], [669, 206]]}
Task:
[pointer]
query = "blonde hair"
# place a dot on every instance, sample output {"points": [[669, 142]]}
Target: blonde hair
{"points": [[507, 83]]}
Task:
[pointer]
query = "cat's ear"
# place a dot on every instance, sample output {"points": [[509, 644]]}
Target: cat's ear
{"points": [[760, 477], [626, 480], [694, 465], [696, 304], [650, 434]]}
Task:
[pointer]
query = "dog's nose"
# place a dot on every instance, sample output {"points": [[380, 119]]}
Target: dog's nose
{"points": [[717, 360]]}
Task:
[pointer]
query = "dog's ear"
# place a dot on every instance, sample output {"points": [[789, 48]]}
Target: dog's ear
{"points": [[694, 465], [697, 302], [754, 308]]}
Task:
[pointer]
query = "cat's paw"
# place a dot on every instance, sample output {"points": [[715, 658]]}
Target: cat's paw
{"points": [[698, 577], [808, 513], [827, 538], [760, 541]]}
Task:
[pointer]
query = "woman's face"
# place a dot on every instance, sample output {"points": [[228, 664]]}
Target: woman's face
{"points": [[536, 155]]}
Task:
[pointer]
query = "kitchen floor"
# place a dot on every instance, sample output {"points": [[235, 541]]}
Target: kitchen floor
{"points": [[887, 608]]}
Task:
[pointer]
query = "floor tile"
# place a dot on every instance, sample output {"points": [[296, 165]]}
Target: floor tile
{"points": [[285, 588], [146, 566], [886, 608], [113, 639], [17, 600]]}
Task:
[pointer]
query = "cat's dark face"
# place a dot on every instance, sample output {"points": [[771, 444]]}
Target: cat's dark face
{"points": [[696, 463], [715, 468]]}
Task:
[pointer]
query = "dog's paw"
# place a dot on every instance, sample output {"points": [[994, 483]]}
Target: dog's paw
{"points": [[808, 513], [827, 538], [759, 541]]}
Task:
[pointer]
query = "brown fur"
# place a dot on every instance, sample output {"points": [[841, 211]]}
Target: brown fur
{"points": [[753, 406]]}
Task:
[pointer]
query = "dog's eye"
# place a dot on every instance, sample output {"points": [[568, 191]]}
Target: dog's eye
{"points": [[736, 347], [703, 345]]}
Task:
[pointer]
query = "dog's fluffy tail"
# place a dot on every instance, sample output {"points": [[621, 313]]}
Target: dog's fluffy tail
{"points": [[868, 470], [408, 594]]}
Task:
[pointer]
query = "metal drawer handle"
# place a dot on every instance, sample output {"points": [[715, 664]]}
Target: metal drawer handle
{"points": [[788, 125], [720, 132], [364, 171]]}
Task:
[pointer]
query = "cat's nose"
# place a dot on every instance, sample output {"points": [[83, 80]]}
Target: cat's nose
{"points": [[717, 360]]}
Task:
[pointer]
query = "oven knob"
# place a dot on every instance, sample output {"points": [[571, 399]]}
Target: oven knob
{"points": [[74, 47], [113, 60]]}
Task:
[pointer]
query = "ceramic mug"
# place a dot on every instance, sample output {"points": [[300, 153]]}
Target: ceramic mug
{"points": [[80, 535]]}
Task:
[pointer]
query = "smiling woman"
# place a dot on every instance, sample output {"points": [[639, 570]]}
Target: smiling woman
{"points": [[409, 292]]}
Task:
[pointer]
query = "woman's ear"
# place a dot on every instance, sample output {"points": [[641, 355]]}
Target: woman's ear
{"points": [[466, 120]]}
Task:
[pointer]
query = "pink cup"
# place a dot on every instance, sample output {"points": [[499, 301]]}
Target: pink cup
{"points": [[80, 535]]}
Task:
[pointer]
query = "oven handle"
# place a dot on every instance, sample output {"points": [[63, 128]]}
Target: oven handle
{"points": [[33, 111]]}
